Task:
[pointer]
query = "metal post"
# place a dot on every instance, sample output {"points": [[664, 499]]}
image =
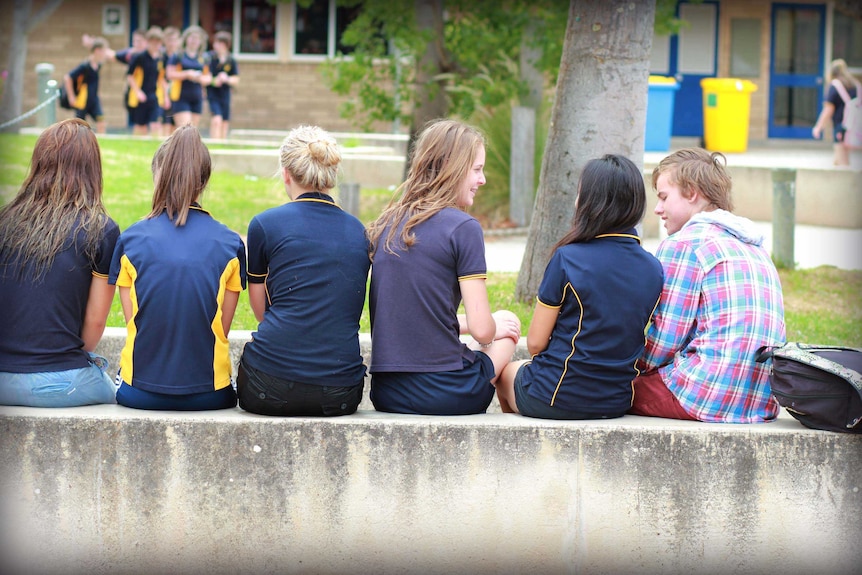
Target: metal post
{"points": [[349, 195], [521, 166], [783, 216], [44, 91]]}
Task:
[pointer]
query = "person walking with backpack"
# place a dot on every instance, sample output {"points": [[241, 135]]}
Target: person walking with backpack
{"points": [[843, 88]]}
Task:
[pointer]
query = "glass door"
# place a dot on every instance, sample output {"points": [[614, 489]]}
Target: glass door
{"points": [[796, 69], [693, 56]]}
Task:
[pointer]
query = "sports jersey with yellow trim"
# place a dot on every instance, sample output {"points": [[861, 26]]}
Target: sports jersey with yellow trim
{"points": [[177, 276], [148, 73], [606, 291], [185, 89], [85, 79]]}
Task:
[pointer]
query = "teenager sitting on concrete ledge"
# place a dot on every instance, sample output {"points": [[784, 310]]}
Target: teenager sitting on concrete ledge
{"points": [[721, 301], [427, 255], [588, 326]]}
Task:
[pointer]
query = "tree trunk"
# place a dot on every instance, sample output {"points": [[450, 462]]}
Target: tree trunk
{"points": [[600, 108], [430, 94], [22, 24]]}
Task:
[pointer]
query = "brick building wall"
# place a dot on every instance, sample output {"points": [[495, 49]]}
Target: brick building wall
{"points": [[271, 95]]}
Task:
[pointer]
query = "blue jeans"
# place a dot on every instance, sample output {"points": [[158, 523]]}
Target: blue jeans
{"points": [[70, 388]]}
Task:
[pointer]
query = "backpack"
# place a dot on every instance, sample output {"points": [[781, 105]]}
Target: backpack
{"points": [[63, 98], [819, 385], [852, 122]]}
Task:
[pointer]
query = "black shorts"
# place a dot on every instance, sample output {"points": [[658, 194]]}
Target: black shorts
{"points": [[264, 394]]}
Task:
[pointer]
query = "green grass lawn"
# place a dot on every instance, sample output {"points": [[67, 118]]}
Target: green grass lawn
{"points": [[823, 305]]}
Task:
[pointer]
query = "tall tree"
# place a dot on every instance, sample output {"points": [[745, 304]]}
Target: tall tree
{"points": [[24, 21], [600, 107]]}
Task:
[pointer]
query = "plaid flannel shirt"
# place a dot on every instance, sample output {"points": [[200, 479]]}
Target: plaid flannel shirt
{"points": [[721, 301]]}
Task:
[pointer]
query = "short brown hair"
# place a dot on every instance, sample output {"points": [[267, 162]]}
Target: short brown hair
{"points": [[698, 169], [223, 36]]}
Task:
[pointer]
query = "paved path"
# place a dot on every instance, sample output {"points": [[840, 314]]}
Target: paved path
{"points": [[814, 246]]}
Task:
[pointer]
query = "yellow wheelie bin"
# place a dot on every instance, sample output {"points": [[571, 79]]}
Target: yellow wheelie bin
{"points": [[726, 111]]}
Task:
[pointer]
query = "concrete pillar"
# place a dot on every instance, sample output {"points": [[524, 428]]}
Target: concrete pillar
{"points": [[521, 165], [348, 193], [783, 216], [47, 115]]}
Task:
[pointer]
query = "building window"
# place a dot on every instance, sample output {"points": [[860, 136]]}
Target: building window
{"points": [[252, 23], [745, 47], [319, 28], [847, 39]]}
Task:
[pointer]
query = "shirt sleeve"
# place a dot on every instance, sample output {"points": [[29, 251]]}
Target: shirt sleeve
{"points": [[105, 252], [119, 275], [553, 283], [468, 243], [258, 262], [236, 282], [675, 316]]}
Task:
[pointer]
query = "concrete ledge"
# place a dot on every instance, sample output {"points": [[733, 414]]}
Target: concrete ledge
{"points": [[105, 489], [114, 338], [370, 170], [818, 192]]}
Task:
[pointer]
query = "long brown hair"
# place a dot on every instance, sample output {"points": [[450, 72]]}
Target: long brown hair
{"points": [[181, 171], [60, 200], [441, 159]]}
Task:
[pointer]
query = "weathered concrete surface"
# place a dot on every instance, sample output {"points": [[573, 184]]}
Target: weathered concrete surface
{"points": [[113, 339], [105, 489]]}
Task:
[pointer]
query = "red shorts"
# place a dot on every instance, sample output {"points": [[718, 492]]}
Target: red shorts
{"points": [[653, 398]]}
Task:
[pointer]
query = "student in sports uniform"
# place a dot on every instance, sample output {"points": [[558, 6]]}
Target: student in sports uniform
{"points": [[428, 255], [833, 109], [82, 85], [308, 267], [147, 85], [596, 298], [56, 243], [180, 273], [225, 73], [172, 46], [188, 71], [124, 56]]}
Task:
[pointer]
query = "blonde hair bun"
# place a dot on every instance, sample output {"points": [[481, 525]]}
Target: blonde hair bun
{"points": [[312, 157]]}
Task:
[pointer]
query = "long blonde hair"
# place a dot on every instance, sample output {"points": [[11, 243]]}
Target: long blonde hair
{"points": [[442, 157], [838, 70], [60, 200]]}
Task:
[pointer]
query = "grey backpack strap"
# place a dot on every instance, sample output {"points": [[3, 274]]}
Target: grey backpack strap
{"points": [[804, 353]]}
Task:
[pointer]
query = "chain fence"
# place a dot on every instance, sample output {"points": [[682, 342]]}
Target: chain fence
{"points": [[29, 113]]}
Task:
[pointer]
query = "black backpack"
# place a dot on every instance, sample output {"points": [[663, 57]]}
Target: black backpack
{"points": [[64, 98], [820, 385]]}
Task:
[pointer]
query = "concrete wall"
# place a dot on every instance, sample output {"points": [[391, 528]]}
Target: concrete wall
{"points": [[105, 489], [824, 197]]}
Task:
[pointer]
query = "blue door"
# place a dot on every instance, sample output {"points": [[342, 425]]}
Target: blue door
{"points": [[689, 56], [796, 69]]}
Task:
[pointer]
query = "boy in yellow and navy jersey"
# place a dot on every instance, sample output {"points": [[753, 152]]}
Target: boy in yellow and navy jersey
{"points": [[180, 273], [82, 85], [147, 85]]}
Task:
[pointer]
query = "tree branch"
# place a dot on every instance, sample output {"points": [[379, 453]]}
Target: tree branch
{"points": [[45, 11]]}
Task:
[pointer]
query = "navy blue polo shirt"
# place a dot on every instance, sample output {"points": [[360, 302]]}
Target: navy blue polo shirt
{"points": [[415, 295], [178, 276], [606, 290], [147, 71], [42, 319], [313, 258], [85, 79]]}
